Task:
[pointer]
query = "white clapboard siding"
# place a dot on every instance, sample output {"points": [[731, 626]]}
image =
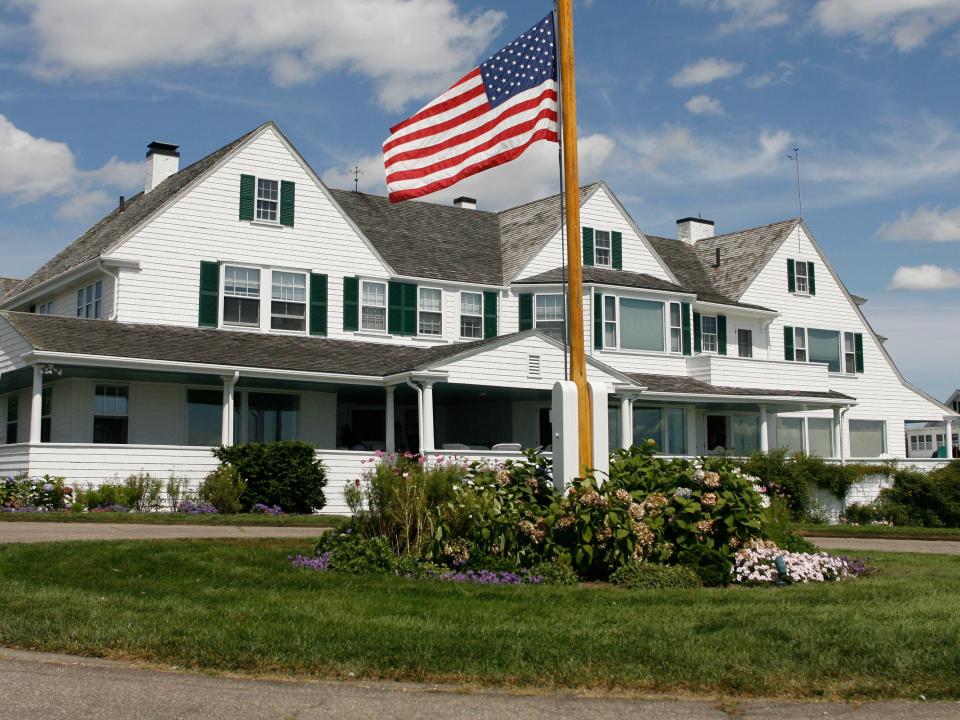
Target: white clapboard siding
{"points": [[601, 213], [879, 393], [14, 459], [727, 371], [12, 348]]}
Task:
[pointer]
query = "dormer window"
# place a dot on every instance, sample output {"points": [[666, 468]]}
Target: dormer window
{"points": [[268, 200], [602, 248]]}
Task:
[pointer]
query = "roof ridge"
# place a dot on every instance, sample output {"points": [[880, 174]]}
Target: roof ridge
{"points": [[748, 229], [547, 197], [415, 200]]}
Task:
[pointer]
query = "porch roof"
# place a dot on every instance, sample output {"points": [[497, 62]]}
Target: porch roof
{"points": [[684, 385]]}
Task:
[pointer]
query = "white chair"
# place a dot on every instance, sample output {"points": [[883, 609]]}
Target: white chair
{"points": [[507, 447], [454, 446]]}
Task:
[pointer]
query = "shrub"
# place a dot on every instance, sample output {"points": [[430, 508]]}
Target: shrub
{"points": [[138, 493], [195, 507], [776, 527], [350, 552], [711, 566], [654, 576], [21, 493], [177, 491], [916, 499], [554, 573], [223, 489], [285, 473]]}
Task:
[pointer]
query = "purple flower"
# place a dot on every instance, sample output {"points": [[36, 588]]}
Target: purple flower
{"points": [[262, 509], [198, 507], [48, 487], [312, 562]]}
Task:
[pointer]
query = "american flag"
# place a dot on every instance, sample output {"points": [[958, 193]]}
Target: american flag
{"points": [[487, 118]]}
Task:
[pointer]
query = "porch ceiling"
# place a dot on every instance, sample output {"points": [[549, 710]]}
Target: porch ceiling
{"points": [[451, 393]]}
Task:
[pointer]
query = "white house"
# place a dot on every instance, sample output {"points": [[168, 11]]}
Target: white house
{"points": [[241, 299], [928, 440]]}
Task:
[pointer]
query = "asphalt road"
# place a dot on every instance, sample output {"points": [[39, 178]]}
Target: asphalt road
{"points": [[45, 686], [936, 547]]}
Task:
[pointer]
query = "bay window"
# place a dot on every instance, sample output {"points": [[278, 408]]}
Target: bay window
{"points": [[241, 296], [288, 306], [471, 315]]}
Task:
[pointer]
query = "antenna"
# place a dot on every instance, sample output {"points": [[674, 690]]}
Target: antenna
{"points": [[356, 172], [796, 161]]}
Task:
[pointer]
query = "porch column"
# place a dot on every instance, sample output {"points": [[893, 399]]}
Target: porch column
{"points": [[391, 439], [626, 421], [427, 441], [948, 438], [837, 433], [764, 430], [227, 431], [36, 404]]}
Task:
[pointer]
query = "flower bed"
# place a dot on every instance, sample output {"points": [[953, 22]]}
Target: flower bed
{"points": [[756, 564]]}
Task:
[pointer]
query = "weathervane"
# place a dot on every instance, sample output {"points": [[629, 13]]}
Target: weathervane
{"points": [[356, 172], [796, 161]]}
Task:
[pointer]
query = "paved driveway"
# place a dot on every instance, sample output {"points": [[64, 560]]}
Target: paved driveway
{"points": [[21, 532], [936, 547], [42, 686]]}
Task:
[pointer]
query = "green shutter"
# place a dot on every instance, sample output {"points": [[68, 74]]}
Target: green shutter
{"points": [[697, 336], [858, 346], [685, 314], [288, 192], [788, 343], [402, 308], [588, 247], [351, 303], [318, 304], [811, 279], [617, 250], [791, 277], [489, 314], [526, 311], [722, 334], [247, 192], [598, 321], [209, 308]]}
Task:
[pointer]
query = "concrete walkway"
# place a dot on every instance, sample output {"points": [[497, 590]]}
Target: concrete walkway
{"points": [[27, 532], [45, 686], [935, 547]]}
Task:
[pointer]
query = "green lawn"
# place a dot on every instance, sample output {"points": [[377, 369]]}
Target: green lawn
{"points": [[240, 607], [165, 518], [877, 531]]}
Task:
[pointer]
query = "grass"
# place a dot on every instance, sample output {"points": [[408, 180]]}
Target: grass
{"points": [[240, 607], [877, 531], [165, 518]]}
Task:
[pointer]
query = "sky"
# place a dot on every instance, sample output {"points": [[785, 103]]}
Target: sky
{"points": [[686, 107]]}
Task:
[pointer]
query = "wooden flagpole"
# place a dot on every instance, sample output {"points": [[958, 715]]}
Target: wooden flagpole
{"points": [[571, 173]]}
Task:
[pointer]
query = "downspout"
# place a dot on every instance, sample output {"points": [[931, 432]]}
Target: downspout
{"points": [[116, 289], [419, 411]]}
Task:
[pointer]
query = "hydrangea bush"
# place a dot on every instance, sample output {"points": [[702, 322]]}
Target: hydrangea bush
{"points": [[21, 493], [756, 565]]}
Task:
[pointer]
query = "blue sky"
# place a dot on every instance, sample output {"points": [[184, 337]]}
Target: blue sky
{"points": [[686, 107]]}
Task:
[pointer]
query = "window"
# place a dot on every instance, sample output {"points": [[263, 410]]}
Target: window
{"points": [[641, 325], [745, 430], [676, 441], [110, 414], [601, 248], [744, 343], [802, 276], [471, 315], [549, 315], [790, 434], [288, 308], [676, 329], [430, 314], [868, 438], [648, 425], [204, 417], [268, 196], [800, 344], [708, 333], [820, 434], [13, 412], [272, 417], [610, 321], [241, 296], [849, 354], [46, 414], [824, 347], [45, 308], [90, 301], [373, 307]]}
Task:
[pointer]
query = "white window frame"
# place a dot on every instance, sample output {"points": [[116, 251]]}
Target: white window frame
{"points": [[305, 302], [259, 297], [90, 301], [611, 320], [797, 277], [108, 413], [608, 248], [563, 315], [849, 355], [362, 305], [479, 316], [421, 312], [704, 334], [800, 345], [678, 327], [749, 354], [257, 199], [45, 308], [614, 321]]}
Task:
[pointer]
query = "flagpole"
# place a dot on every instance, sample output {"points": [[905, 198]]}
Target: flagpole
{"points": [[578, 360]]}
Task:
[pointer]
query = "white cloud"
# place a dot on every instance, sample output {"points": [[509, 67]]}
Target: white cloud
{"points": [[533, 175], [85, 205], [705, 71], [781, 74], [925, 224], [32, 168], [746, 14], [907, 24], [925, 277], [408, 48], [704, 105]]}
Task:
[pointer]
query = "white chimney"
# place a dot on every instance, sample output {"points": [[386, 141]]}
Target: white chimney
{"points": [[691, 229], [467, 203], [163, 160]]}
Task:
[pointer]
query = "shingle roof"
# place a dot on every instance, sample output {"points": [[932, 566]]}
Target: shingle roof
{"points": [[116, 224], [684, 384], [526, 228], [179, 344], [421, 239], [7, 285], [606, 276]]}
